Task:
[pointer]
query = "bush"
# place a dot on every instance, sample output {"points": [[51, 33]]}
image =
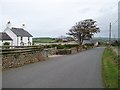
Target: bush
{"points": [[115, 43], [66, 46], [6, 43], [86, 46]]}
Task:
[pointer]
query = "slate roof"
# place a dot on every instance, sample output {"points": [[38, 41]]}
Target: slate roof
{"points": [[20, 32], [4, 36]]}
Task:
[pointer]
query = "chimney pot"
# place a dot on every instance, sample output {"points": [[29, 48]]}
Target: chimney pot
{"points": [[23, 26], [8, 24]]}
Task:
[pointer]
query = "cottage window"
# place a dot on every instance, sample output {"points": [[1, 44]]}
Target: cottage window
{"points": [[28, 38], [21, 38]]}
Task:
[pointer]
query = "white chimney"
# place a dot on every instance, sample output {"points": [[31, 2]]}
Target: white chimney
{"points": [[8, 24], [23, 26]]}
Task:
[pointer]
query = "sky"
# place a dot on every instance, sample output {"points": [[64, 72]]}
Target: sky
{"points": [[53, 18]]}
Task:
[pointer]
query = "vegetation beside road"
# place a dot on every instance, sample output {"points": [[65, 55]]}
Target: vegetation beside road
{"points": [[110, 69], [60, 46]]}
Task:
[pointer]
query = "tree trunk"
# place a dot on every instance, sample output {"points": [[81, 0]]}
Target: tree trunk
{"points": [[79, 38]]}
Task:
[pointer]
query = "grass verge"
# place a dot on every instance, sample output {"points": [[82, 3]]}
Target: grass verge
{"points": [[110, 69]]}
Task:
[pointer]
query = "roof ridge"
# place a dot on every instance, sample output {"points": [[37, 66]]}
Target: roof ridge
{"points": [[17, 28], [20, 32]]}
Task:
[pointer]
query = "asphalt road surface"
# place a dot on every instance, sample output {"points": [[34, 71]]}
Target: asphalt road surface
{"points": [[82, 70]]}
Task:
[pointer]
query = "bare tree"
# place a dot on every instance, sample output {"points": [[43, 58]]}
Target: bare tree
{"points": [[84, 30]]}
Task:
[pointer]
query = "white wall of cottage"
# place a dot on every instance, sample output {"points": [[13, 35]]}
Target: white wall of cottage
{"points": [[12, 35], [17, 39], [0, 42], [24, 40]]}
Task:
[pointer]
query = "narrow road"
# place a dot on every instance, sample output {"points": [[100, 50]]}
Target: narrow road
{"points": [[82, 70]]}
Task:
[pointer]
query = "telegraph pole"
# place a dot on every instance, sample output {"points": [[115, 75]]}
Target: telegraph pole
{"points": [[110, 35]]}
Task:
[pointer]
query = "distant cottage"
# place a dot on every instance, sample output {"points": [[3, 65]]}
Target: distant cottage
{"points": [[19, 36]]}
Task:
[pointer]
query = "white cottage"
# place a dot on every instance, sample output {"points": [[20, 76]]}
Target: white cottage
{"points": [[19, 36]]}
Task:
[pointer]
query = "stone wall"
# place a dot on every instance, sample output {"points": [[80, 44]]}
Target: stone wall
{"points": [[17, 58], [52, 51], [68, 51], [12, 58]]}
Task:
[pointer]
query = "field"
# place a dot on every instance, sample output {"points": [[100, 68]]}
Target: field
{"points": [[44, 40], [110, 69]]}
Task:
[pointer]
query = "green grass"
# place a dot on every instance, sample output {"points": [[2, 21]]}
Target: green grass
{"points": [[43, 40], [110, 69]]}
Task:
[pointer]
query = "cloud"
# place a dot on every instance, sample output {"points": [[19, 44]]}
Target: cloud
{"points": [[56, 17]]}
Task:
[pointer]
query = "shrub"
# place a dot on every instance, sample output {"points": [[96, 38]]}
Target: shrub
{"points": [[66, 46], [6, 43], [115, 43], [86, 46]]}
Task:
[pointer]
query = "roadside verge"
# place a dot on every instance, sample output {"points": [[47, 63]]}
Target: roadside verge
{"points": [[110, 69]]}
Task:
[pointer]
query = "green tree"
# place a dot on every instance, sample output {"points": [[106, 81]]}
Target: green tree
{"points": [[84, 30]]}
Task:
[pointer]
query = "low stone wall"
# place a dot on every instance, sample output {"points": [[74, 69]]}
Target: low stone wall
{"points": [[52, 51], [68, 51], [12, 58], [74, 50], [16, 58]]}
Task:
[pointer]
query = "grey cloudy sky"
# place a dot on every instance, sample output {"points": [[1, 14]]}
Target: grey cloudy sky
{"points": [[55, 17]]}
